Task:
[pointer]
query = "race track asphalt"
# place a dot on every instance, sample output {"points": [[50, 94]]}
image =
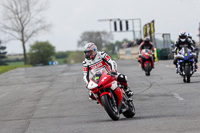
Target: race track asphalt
{"points": [[53, 99]]}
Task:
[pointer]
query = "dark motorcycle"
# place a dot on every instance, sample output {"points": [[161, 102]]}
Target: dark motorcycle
{"points": [[185, 63]]}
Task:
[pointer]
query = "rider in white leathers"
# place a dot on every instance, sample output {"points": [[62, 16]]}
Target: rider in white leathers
{"points": [[97, 62]]}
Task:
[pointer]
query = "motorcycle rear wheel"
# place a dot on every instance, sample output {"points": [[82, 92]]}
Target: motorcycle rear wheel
{"points": [[130, 112], [110, 108]]}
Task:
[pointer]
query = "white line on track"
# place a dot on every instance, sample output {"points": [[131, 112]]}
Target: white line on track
{"points": [[178, 96], [1, 96]]}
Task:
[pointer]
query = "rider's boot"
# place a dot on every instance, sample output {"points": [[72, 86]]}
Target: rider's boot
{"points": [[128, 91]]}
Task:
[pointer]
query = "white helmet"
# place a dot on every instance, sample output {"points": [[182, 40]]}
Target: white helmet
{"points": [[90, 50], [182, 36]]}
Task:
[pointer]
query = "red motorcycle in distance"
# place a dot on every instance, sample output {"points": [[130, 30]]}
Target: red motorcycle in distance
{"points": [[146, 60], [111, 96]]}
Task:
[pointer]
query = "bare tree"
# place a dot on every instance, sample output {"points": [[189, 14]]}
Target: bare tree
{"points": [[100, 38], [23, 20]]}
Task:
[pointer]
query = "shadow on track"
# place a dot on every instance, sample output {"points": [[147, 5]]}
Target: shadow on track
{"points": [[155, 117], [135, 118]]}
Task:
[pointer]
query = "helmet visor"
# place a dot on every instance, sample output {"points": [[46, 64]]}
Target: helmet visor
{"points": [[88, 54], [183, 37]]}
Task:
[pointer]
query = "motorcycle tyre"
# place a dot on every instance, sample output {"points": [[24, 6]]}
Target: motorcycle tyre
{"points": [[114, 115], [187, 73], [130, 112], [147, 70]]}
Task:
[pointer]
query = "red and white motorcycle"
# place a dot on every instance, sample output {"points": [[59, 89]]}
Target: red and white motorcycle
{"points": [[146, 60], [110, 94]]}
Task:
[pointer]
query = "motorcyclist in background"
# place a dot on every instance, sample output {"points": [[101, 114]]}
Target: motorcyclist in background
{"points": [[97, 62], [146, 44], [182, 41], [196, 49]]}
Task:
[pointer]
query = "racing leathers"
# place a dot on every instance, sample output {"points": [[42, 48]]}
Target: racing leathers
{"points": [[149, 46], [103, 62]]}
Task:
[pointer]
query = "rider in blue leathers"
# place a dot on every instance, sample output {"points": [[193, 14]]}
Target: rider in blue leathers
{"points": [[182, 41]]}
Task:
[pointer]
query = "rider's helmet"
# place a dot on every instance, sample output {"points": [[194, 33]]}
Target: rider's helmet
{"points": [[146, 40], [189, 35], [90, 51], [182, 36]]}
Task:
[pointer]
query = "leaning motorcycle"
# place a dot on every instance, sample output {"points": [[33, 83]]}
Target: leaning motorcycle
{"points": [[185, 63], [146, 61], [110, 94]]}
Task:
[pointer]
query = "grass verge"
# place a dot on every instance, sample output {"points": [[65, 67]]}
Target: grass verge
{"points": [[4, 69]]}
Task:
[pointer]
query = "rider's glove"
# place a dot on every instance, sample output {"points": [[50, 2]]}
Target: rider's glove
{"points": [[113, 73]]}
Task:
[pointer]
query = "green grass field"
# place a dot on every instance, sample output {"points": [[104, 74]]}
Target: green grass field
{"points": [[4, 69], [60, 61], [20, 64]]}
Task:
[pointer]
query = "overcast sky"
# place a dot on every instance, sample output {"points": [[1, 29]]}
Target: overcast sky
{"points": [[70, 18]]}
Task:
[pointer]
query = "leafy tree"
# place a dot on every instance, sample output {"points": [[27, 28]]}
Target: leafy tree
{"points": [[112, 48], [41, 53], [23, 20], [74, 57], [61, 54], [100, 38]]}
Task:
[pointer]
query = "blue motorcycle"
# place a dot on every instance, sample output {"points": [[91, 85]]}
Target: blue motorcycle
{"points": [[185, 63]]}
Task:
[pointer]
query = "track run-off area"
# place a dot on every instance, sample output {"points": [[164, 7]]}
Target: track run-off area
{"points": [[53, 99]]}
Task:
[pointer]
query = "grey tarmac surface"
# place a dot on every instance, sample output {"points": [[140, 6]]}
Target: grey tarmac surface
{"points": [[53, 99]]}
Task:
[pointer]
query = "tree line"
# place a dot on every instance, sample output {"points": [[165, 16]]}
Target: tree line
{"points": [[23, 20]]}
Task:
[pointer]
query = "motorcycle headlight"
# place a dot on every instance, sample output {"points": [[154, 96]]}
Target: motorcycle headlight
{"points": [[92, 85], [186, 54]]}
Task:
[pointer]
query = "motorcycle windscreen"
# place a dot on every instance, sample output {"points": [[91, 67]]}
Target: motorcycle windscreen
{"points": [[96, 78]]}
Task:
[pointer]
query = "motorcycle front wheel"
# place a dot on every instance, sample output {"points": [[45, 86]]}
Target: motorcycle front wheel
{"points": [[147, 70], [187, 73], [110, 107]]}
